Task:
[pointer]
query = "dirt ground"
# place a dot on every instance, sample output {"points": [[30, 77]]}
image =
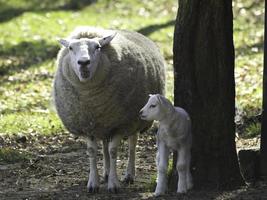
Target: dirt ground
{"points": [[57, 168]]}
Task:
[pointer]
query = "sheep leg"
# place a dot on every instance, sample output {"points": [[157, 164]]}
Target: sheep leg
{"points": [[189, 181], [113, 182], [181, 168], [106, 160], [130, 171], [93, 182], [162, 167]]}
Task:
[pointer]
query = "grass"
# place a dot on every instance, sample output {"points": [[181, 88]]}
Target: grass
{"points": [[31, 122], [28, 52], [252, 130], [9, 155], [152, 184], [248, 38], [28, 48]]}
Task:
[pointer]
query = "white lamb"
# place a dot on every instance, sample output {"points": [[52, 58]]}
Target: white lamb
{"points": [[174, 133]]}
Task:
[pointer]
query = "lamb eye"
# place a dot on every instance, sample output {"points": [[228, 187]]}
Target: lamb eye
{"points": [[97, 47], [70, 48], [152, 106]]}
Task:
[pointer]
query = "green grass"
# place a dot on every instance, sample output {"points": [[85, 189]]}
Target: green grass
{"points": [[252, 131], [28, 46], [31, 122], [9, 155], [248, 38], [152, 184]]}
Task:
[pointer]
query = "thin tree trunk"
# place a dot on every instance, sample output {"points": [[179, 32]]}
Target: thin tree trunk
{"points": [[264, 114], [204, 86]]}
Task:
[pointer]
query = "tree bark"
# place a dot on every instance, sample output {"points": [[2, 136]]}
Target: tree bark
{"points": [[204, 85], [263, 148]]}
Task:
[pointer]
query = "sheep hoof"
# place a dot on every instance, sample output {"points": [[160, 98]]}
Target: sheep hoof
{"points": [[160, 190], [190, 186], [181, 192], [92, 189], [93, 185], [128, 179], [113, 185], [157, 194]]}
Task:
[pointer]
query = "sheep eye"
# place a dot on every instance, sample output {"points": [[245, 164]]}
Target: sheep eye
{"points": [[97, 47], [152, 106], [70, 48]]}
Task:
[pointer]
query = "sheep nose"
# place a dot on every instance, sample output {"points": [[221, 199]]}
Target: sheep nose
{"points": [[83, 62], [141, 112]]}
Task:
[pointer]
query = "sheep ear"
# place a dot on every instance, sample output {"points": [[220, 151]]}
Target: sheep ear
{"points": [[107, 39], [161, 99], [164, 101], [64, 42]]}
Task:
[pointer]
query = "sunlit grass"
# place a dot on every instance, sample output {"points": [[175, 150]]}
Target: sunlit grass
{"points": [[27, 90], [31, 122], [28, 47], [252, 130], [248, 37]]}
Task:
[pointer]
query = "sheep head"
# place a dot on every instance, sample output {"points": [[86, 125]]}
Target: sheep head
{"points": [[85, 54], [151, 110], [156, 108]]}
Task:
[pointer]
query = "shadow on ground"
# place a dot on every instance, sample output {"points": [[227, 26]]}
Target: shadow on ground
{"points": [[8, 12], [58, 169], [154, 27], [250, 49], [25, 54]]}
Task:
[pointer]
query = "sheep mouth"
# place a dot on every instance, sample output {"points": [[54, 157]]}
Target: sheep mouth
{"points": [[85, 74], [143, 117]]}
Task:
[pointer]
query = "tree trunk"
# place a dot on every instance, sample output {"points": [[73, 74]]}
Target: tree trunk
{"points": [[264, 114], [204, 85]]}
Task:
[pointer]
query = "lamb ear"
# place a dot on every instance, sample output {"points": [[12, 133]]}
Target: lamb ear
{"points": [[161, 99], [107, 39], [64, 42]]}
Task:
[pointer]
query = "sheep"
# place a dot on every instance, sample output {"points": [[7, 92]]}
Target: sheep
{"points": [[174, 133], [102, 80]]}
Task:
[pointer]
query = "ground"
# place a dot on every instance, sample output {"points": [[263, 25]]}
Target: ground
{"points": [[38, 158], [57, 168]]}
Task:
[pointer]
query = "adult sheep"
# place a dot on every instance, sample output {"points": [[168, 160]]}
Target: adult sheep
{"points": [[102, 81]]}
